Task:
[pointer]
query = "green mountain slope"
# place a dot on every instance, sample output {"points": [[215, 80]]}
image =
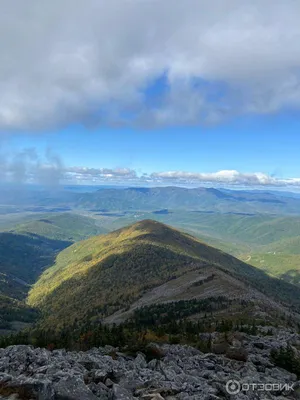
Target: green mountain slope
{"points": [[64, 226], [15, 314], [252, 238], [23, 257], [104, 274], [235, 229], [257, 229], [281, 265], [22, 260], [29, 249], [286, 246]]}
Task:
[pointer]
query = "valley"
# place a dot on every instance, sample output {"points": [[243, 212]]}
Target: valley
{"points": [[26, 250], [149, 200], [91, 277], [103, 278]]}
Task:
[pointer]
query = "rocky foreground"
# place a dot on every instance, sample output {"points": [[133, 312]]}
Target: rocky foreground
{"points": [[178, 372]]}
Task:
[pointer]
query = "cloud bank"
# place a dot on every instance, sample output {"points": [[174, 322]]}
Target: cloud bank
{"points": [[94, 175], [48, 169], [96, 62], [130, 177], [225, 177]]}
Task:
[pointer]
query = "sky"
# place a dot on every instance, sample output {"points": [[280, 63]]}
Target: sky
{"points": [[150, 92]]}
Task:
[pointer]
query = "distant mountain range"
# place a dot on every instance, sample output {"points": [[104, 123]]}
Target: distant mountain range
{"points": [[202, 199], [126, 199]]}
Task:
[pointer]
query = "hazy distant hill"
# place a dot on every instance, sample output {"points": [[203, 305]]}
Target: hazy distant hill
{"points": [[205, 199], [155, 198], [151, 261], [64, 226], [257, 229]]}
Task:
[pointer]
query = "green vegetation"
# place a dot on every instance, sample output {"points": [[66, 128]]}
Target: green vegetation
{"points": [[28, 250], [158, 315], [177, 198], [286, 358], [104, 274], [13, 310], [239, 229], [64, 226], [22, 259], [126, 336], [25, 256], [271, 243], [94, 278], [280, 265], [167, 323], [286, 245]]}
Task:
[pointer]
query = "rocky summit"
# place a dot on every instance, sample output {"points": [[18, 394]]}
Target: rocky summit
{"points": [[173, 372]]}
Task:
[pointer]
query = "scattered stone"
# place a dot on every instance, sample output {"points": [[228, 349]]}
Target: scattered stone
{"points": [[72, 389], [165, 372], [237, 353], [120, 393], [109, 383]]}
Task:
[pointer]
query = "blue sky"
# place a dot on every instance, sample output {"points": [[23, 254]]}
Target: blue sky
{"points": [[190, 92], [268, 144]]}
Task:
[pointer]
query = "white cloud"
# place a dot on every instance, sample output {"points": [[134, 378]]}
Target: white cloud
{"points": [[28, 166], [226, 177], [87, 61], [130, 177], [94, 175]]}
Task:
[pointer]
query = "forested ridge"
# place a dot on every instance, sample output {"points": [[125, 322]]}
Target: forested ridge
{"points": [[103, 274]]}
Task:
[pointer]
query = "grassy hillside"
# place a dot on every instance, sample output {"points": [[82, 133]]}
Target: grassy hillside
{"points": [[22, 260], [281, 265], [100, 275], [64, 226], [252, 238], [257, 229], [286, 246], [15, 312], [27, 250], [241, 229]]}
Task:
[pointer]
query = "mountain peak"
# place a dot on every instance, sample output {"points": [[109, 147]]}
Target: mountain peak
{"points": [[150, 225], [145, 228], [105, 274], [155, 231]]}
